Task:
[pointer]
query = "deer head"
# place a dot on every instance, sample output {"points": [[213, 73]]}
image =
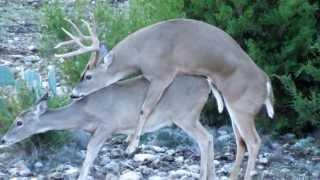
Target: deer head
{"points": [[97, 50], [102, 69], [26, 124]]}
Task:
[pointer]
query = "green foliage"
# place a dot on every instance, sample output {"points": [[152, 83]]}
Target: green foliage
{"points": [[52, 81], [55, 102], [7, 77], [121, 22], [281, 37], [113, 24]]}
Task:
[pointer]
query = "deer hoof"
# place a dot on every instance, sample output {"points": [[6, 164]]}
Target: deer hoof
{"points": [[132, 147]]}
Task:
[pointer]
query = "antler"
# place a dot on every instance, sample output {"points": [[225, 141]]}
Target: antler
{"points": [[74, 39]]}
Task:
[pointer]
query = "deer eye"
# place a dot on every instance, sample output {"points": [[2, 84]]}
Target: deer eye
{"points": [[19, 123], [88, 77]]}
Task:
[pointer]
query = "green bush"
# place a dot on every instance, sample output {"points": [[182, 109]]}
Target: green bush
{"points": [[113, 24], [281, 37]]}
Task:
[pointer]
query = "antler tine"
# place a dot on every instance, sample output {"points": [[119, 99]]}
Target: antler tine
{"points": [[75, 39], [83, 49], [76, 52], [77, 29], [64, 43]]}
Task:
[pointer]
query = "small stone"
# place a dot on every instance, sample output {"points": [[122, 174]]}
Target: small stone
{"points": [[179, 173], [55, 175], [194, 168], [224, 178], [130, 175], [20, 169], [158, 149], [32, 48], [72, 172], [112, 167], [31, 59], [263, 160], [171, 152], [285, 170], [260, 167], [146, 171], [224, 138], [144, 157], [226, 168], [179, 159], [38, 165], [157, 178], [254, 173], [111, 177], [116, 153]]}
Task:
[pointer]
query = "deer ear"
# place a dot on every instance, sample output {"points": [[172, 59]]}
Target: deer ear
{"points": [[107, 60], [103, 51], [41, 107]]}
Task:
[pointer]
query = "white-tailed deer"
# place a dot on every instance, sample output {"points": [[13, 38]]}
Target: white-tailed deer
{"points": [[116, 109], [183, 46]]}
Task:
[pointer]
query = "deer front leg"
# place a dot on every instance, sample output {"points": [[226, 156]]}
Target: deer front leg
{"points": [[155, 91], [93, 148]]}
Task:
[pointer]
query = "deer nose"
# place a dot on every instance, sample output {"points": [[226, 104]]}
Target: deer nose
{"points": [[2, 141]]}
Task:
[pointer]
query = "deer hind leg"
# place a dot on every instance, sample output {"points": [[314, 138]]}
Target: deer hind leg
{"points": [[241, 147], [155, 92], [244, 122], [193, 128]]}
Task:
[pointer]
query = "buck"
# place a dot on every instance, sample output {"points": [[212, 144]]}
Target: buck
{"points": [[115, 109], [182, 46]]}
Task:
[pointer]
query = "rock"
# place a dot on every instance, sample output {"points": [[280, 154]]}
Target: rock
{"points": [[260, 167], [71, 172], [80, 137], [55, 175], [225, 169], [130, 175], [31, 59], [304, 143], [225, 130], [20, 169], [112, 167], [116, 153], [254, 173], [224, 138], [158, 149], [110, 176], [263, 160], [288, 137], [3, 176], [224, 178], [285, 170], [178, 174], [32, 48], [179, 159], [144, 157], [194, 168], [146, 171], [171, 152], [38, 165], [157, 178]]}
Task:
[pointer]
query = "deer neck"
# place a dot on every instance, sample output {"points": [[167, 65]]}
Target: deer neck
{"points": [[65, 118]]}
